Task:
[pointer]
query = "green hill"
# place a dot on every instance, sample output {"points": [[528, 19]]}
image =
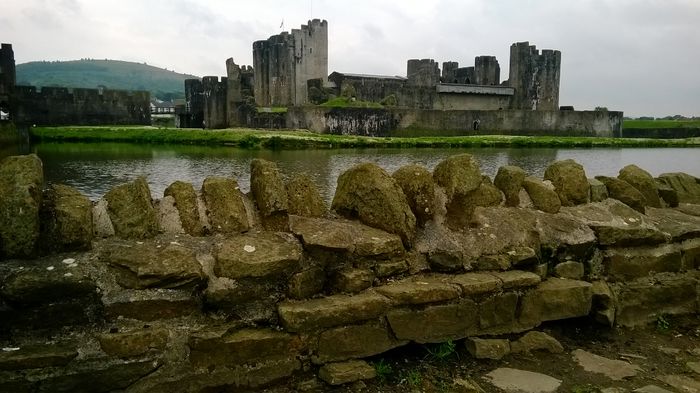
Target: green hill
{"points": [[112, 74]]}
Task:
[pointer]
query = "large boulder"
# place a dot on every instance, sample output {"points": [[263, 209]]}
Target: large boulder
{"points": [[569, 181], [367, 192], [458, 175], [131, 210], [21, 179], [461, 208], [186, 203], [267, 188], [509, 179], [599, 192], [624, 192], [643, 182], [225, 205], [303, 198], [418, 186], [543, 197], [687, 187], [66, 219]]}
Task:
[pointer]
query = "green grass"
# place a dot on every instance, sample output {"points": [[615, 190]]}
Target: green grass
{"points": [[345, 102], [274, 109], [442, 351], [383, 370], [297, 139], [661, 124]]}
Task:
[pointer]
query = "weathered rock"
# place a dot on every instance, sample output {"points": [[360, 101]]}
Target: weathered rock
{"points": [[134, 343], [98, 376], [341, 373], [497, 313], [37, 356], [616, 224], [145, 265], [345, 236], [303, 198], [331, 311], [686, 187], [569, 269], [603, 305], [210, 349], [509, 179], [131, 210], [21, 180], [517, 279], [418, 186], [689, 208], [257, 255], [461, 208], [267, 188], [650, 389], [643, 182], [630, 263], [641, 301], [493, 348], [499, 230], [186, 203], [367, 192], [562, 237], [555, 298], [616, 370], [306, 283], [666, 193], [542, 197], [624, 192], [149, 304], [681, 383], [477, 283], [570, 182], [353, 280], [519, 381], [690, 251], [390, 268], [458, 175], [419, 290], [225, 206], [466, 386], [679, 225], [355, 341], [47, 281], [66, 219], [101, 223], [435, 324], [168, 216], [536, 341], [599, 192]]}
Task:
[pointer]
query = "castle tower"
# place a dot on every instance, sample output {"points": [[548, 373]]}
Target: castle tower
{"points": [[285, 62], [8, 76], [535, 77], [486, 71], [423, 72]]}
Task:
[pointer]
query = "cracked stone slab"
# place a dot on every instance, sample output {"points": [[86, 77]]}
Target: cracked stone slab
{"points": [[613, 369], [521, 381]]}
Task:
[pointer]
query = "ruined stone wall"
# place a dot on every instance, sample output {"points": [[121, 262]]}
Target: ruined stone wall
{"points": [[535, 77], [193, 114], [461, 122], [283, 63], [215, 102], [8, 77], [240, 86], [213, 289], [65, 106], [486, 71]]}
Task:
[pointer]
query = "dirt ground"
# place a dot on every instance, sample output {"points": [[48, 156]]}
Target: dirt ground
{"points": [[659, 349]]}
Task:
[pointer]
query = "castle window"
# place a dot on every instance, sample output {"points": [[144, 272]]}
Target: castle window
{"points": [[311, 50]]}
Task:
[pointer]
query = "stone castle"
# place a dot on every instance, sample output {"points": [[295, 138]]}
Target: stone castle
{"points": [[291, 70], [67, 106]]}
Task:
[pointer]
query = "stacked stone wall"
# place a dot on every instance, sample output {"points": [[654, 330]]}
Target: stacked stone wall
{"points": [[214, 289]]}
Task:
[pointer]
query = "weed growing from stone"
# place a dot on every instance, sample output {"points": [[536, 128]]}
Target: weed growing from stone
{"points": [[412, 378], [383, 370], [442, 351], [662, 323]]}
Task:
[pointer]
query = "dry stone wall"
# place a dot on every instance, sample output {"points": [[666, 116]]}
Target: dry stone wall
{"points": [[214, 289]]}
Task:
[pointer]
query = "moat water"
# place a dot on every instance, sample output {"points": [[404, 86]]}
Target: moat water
{"points": [[94, 168]]}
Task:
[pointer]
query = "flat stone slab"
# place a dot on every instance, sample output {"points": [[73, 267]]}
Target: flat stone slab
{"points": [[257, 255], [341, 373], [616, 224], [419, 290], [616, 370], [344, 236], [623, 264], [521, 381], [141, 265], [679, 225], [517, 279], [477, 283], [554, 299], [36, 356], [682, 383], [149, 304], [331, 311], [651, 389]]}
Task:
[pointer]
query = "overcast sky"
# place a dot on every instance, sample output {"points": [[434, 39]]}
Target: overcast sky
{"points": [[638, 56]]}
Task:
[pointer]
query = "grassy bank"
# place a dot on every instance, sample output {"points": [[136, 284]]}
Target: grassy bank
{"points": [[249, 138], [661, 124]]}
